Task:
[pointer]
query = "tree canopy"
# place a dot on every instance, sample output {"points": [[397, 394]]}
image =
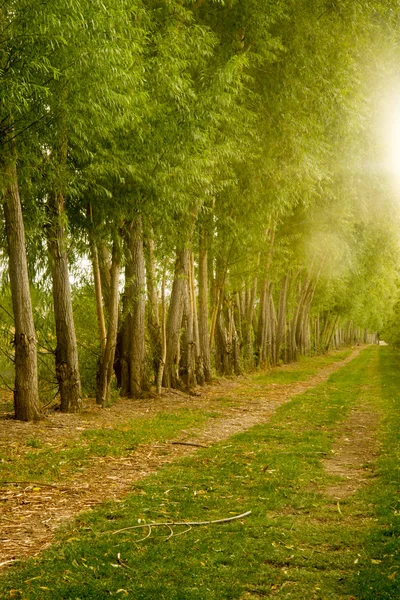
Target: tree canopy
{"points": [[201, 185]]}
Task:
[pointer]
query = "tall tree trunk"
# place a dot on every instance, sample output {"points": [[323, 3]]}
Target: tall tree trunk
{"points": [[98, 292], [67, 368], [153, 318], [163, 334], [125, 332], [204, 341], [138, 301], [281, 328], [26, 394], [187, 366], [223, 343], [199, 366], [105, 271], [107, 357], [176, 308]]}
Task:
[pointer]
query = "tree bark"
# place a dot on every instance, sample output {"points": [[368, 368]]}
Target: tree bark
{"points": [[26, 394], [132, 334], [204, 340], [105, 271], [107, 358], [281, 328], [176, 308], [97, 286], [160, 372], [138, 299], [199, 365], [153, 317], [67, 368]]}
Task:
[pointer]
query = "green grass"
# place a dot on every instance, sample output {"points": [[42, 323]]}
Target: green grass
{"points": [[302, 370], [298, 543], [47, 464]]}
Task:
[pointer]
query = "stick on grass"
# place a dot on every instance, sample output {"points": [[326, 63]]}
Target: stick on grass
{"points": [[186, 523]]}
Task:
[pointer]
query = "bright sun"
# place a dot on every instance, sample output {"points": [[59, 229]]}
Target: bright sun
{"points": [[391, 135]]}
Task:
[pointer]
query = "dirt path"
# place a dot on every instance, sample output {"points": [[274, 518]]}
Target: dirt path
{"points": [[354, 452], [30, 514]]}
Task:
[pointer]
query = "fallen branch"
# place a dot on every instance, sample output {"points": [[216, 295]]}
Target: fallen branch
{"points": [[37, 483], [189, 444], [185, 523]]}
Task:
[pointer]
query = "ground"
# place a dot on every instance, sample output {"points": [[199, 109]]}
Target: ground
{"points": [[31, 511]]}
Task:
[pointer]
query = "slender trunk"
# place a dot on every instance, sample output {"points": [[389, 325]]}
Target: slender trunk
{"points": [[223, 344], [179, 287], [107, 358], [187, 366], [153, 318], [199, 366], [163, 335], [214, 316], [125, 330], [137, 355], [281, 328], [67, 369], [26, 394], [204, 341], [273, 327], [97, 288], [105, 271], [328, 343]]}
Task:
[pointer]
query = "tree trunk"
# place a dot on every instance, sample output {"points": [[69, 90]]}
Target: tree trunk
{"points": [[105, 271], [204, 340], [163, 334], [107, 358], [67, 368], [281, 328], [138, 299], [223, 343], [26, 394], [176, 308], [199, 367], [153, 318], [97, 289]]}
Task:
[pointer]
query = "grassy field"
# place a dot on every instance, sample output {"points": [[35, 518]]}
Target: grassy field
{"points": [[298, 542]]}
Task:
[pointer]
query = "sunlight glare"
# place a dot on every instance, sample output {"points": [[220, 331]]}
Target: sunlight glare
{"points": [[391, 132]]}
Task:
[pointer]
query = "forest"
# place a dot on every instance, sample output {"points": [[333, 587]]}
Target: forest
{"points": [[200, 299], [192, 189]]}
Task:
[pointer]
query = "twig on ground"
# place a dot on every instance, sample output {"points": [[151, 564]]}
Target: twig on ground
{"points": [[8, 562], [189, 444], [146, 536], [38, 483], [186, 523]]}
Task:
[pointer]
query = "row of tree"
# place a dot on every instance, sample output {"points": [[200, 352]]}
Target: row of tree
{"points": [[211, 159]]}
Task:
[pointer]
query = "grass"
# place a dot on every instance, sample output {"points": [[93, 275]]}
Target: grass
{"points": [[41, 462], [302, 370], [298, 543], [48, 464]]}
